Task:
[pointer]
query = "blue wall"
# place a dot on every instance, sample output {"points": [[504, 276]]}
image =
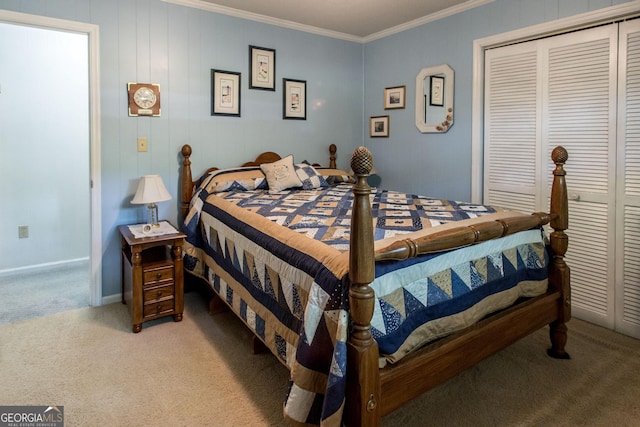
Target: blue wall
{"points": [[175, 46], [439, 165]]}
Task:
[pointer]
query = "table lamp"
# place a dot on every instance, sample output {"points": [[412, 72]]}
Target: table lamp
{"points": [[151, 190]]}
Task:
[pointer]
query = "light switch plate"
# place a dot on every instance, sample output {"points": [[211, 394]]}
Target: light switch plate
{"points": [[142, 144]]}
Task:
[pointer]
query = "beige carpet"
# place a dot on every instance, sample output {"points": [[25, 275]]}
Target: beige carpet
{"points": [[201, 372], [41, 292]]}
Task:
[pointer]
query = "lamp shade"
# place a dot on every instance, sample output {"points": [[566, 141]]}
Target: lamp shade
{"points": [[151, 189]]}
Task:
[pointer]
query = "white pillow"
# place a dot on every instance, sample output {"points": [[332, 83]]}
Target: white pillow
{"points": [[281, 175]]}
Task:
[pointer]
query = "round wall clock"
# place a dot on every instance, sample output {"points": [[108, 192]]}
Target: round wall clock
{"points": [[144, 99]]}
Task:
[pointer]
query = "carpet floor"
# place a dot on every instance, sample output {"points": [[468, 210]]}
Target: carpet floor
{"points": [[41, 293], [201, 372]]}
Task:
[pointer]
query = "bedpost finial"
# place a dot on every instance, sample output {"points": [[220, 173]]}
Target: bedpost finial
{"points": [[362, 161], [186, 151], [559, 155]]}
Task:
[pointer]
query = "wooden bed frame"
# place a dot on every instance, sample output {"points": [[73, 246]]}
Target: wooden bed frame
{"points": [[378, 392]]}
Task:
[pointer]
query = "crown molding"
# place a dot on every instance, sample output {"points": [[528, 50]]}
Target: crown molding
{"points": [[224, 10], [471, 4]]}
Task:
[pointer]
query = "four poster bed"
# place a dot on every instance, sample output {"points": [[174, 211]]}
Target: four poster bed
{"points": [[371, 297]]}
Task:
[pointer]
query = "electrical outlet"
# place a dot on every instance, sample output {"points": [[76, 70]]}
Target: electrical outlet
{"points": [[23, 231], [143, 144]]}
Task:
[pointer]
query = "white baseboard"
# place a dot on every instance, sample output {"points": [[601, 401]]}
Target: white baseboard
{"points": [[46, 266], [110, 299]]}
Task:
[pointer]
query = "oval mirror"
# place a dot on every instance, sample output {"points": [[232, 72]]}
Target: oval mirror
{"points": [[434, 99]]}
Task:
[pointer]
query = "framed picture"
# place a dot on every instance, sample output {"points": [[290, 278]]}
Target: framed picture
{"points": [[262, 68], [394, 97], [437, 91], [379, 126], [294, 101], [225, 93]]}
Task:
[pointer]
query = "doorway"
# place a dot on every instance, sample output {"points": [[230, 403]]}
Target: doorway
{"points": [[76, 228]]}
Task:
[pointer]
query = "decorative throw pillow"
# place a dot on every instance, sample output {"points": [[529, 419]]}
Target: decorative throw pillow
{"points": [[310, 177], [335, 176], [281, 175]]}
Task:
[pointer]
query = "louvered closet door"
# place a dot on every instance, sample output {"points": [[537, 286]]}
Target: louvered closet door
{"points": [[580, 115], [512, 131], [567, 98], [628, 219]]}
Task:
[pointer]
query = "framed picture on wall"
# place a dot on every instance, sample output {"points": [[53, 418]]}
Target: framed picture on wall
{"points": [[437, 91], [379, 127], [294, 101], [262, 68], [394, 97], [225, 93]]}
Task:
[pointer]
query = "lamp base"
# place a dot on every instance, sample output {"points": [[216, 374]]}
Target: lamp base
{"points": [[153, 215]]}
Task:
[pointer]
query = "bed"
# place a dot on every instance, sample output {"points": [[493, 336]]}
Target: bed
{"points": [[371, 297]]}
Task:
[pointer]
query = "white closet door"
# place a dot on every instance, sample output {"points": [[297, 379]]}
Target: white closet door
{"points": [[559, 91], [580, 114], [628, 220], [512, 127]]}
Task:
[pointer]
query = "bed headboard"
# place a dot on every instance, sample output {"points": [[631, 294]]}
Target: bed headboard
{"points": [[187, 184]]}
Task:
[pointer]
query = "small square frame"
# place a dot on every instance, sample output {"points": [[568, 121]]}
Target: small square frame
{"points": [[436, 93], [394, 97], [225, 93], [379, 126], [294, 99], [262, 68]]}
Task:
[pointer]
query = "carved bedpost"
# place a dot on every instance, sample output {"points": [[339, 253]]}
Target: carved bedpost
{"points": [[362, 364], [332, 156], [186, 182], [559, 277]]}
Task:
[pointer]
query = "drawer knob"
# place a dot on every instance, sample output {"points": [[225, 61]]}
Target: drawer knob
{"points": [[159, 294], [158, 276]]}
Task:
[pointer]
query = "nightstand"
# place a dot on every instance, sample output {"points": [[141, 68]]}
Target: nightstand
{"points": [[152, 275]]}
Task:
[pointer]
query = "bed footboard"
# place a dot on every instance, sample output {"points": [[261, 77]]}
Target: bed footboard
{"points": [[374, 392]]}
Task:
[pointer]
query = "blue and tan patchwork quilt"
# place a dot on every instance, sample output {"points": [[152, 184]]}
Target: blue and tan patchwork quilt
{"points": [[280, 260]]}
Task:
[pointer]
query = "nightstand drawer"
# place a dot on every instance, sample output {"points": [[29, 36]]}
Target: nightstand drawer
{"points": [[153, 276], [158, 293], [158, 308]]}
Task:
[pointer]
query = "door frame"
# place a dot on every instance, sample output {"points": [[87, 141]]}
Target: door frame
{"points": [[572, 23], [92, 31]]}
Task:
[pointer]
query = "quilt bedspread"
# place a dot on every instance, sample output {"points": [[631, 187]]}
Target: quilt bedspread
{"points": [[281, 262]]}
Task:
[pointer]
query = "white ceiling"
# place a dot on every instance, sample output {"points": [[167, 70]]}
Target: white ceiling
{"points": [[360, 20]]}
